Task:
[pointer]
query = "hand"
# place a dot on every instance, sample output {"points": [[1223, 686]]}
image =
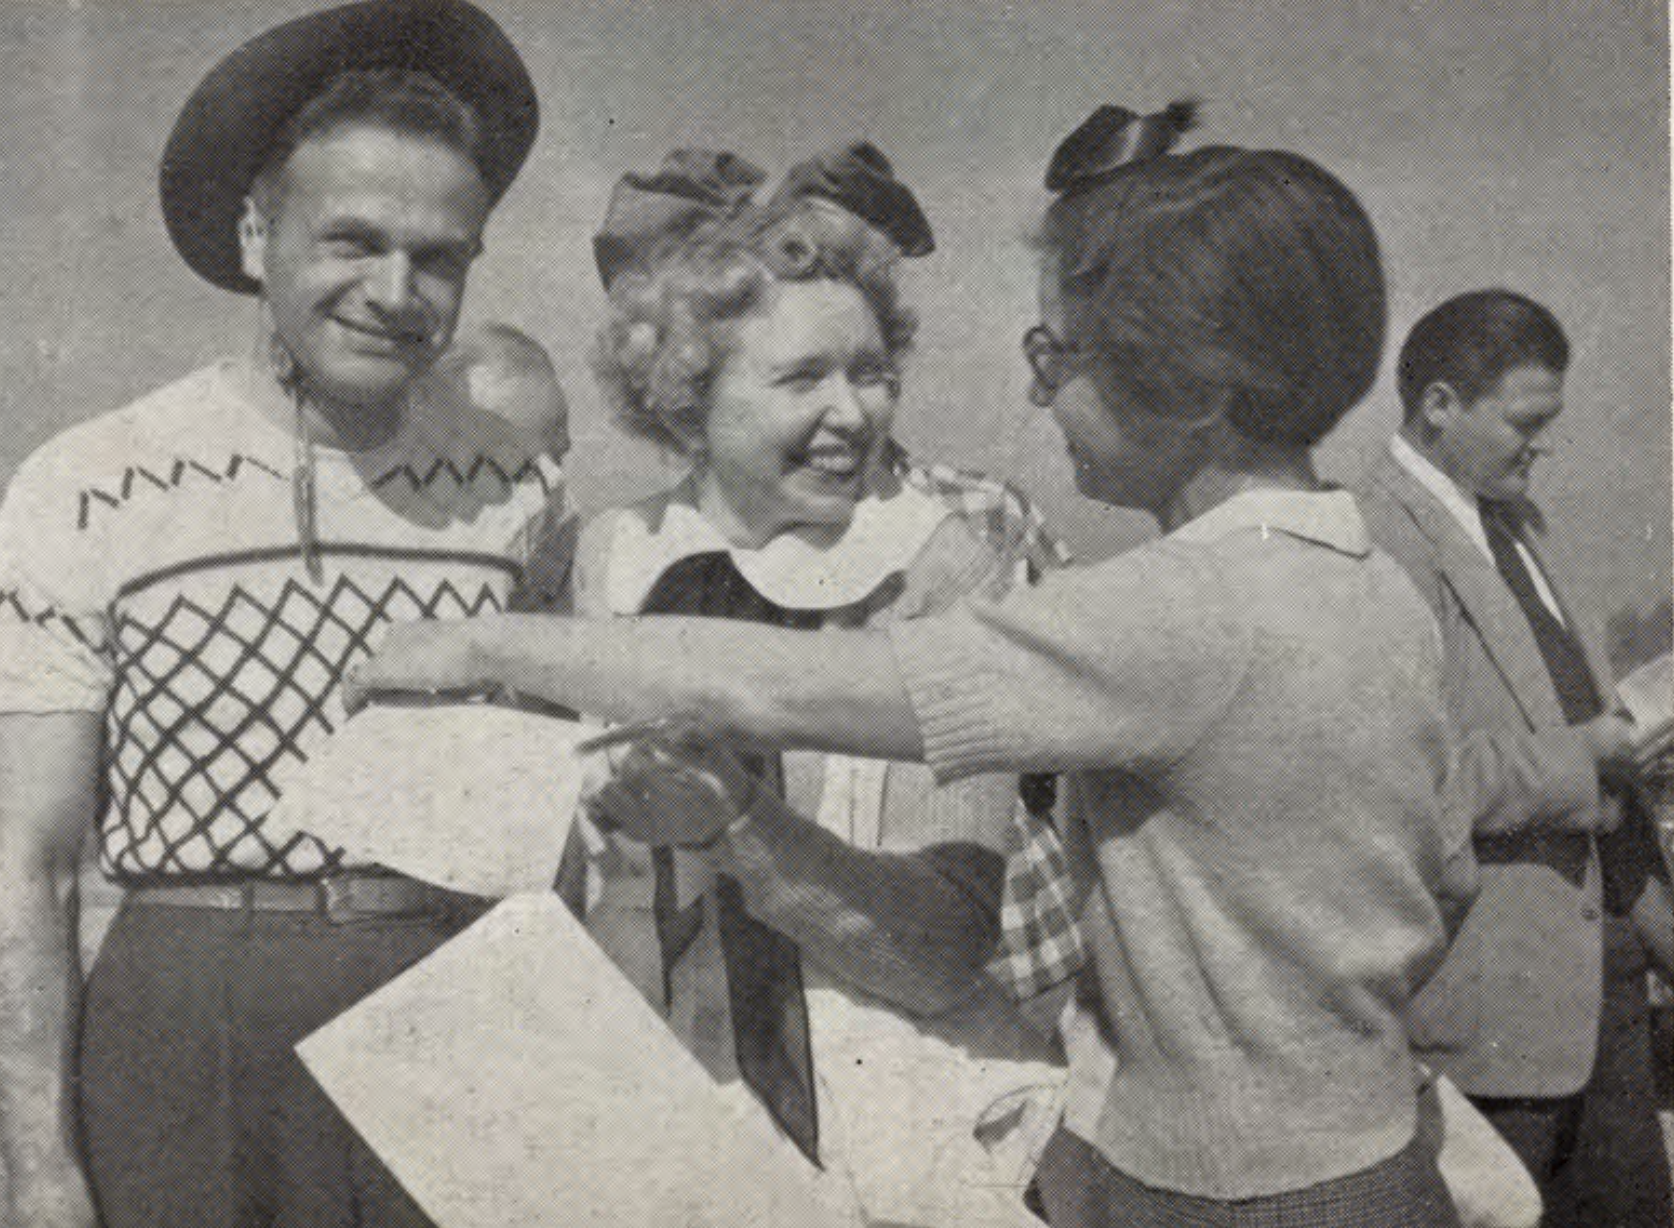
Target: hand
{"points": [[1612, 740], [675, 788], [50, 1193], [424, 657]]}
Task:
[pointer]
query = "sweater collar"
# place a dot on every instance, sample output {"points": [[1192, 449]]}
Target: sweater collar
{"points": [[1327, 518]]}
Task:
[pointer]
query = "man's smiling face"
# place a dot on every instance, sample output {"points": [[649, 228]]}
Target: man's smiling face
{"points": [[370, 235]]}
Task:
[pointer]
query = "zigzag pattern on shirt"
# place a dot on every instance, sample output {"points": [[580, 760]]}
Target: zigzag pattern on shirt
{"points": [[13, 607], [139, 477], [446, 467]]}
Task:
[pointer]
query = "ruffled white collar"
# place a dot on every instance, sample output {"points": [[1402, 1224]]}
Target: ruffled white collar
{"points": [[885, 535]]}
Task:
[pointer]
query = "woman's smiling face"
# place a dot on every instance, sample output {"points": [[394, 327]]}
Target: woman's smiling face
{"points": [[798, 413]]}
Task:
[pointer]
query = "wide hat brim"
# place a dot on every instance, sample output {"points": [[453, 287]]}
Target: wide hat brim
{"points": [[230, 123]]}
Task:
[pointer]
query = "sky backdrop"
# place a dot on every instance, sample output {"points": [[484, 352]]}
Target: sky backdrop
{"points": [[1512, 142]]}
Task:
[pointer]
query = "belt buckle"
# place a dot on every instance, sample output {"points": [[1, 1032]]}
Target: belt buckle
{"points": [[339, 899], [355, 897]]}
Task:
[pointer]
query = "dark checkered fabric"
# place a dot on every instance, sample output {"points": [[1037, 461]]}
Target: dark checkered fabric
{"points": [[1011, 524], [1079, 1188], [1040, 939]]}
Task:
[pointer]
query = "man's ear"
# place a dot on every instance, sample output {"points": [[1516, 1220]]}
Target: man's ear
{"points": [[1438, 404], [252, 241]]}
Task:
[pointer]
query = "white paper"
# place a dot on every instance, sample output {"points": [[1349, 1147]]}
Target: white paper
{"points": [[1649, 694], [472, 797], [1489, 1185], [515, 1079]]}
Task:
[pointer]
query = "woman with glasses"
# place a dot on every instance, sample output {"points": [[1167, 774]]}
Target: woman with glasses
{"points": [[1246, 711]]}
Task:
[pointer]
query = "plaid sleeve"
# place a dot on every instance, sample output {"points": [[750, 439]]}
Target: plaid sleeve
{"points": [[1040, 939], [53, 652], [1012, 526], [1041, 945]]}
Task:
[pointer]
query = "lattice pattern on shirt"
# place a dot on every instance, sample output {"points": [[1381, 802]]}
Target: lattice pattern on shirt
{"points": [[208, 700]]}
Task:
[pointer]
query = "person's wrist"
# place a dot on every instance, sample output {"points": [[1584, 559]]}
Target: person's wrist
{"points": [[747, 808]]}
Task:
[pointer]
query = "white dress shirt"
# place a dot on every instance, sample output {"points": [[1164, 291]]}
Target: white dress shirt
{"points": [[1464, 510]]}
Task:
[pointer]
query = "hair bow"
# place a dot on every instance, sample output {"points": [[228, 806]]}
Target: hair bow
{"points": [[1113, 137], [860, 179], [691, 187]]}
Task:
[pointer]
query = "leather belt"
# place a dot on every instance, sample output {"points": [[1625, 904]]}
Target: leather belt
{"points": [[338, 897], [1566, 852]]}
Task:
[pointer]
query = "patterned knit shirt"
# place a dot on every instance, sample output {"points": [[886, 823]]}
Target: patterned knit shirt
{"points": [[151, 570]]}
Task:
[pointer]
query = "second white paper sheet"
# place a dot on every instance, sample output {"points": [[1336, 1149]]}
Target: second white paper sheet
{"points": [[516, 1079]]}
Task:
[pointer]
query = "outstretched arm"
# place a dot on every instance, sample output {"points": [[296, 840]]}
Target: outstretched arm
{"points": [[48, 789], [833, 691], [1126, 663]]}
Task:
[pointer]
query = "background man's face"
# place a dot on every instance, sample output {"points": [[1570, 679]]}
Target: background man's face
{"points": [[371, 236], [1489, 447]]}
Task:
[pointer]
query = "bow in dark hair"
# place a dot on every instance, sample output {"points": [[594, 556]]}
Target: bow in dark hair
{"points": [[1113, 137], [694, 186]]}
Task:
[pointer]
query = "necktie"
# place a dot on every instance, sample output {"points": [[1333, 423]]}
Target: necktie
{"points": [[764, 969], [1565, 661], [1623, 852]]}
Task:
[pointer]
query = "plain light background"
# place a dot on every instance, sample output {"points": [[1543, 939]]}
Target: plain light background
{"points": [[1513, 142]]}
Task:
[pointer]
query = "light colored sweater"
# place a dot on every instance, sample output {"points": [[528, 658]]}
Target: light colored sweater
{"points": [[1251, 709]]}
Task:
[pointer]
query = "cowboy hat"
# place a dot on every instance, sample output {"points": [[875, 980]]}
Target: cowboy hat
{"points": [[229, 125]]}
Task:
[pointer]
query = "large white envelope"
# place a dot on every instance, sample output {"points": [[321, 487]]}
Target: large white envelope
{"points": [[515, 1079], [473, 797]]}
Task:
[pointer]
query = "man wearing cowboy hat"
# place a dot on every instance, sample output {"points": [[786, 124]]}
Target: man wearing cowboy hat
{"points": [[184, 583]]}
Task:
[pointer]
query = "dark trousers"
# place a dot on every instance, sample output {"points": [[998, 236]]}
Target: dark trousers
{"points": [[195, 1111], [1081, 1189], [1598, 1157]]}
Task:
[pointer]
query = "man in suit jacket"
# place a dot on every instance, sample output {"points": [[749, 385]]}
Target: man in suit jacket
{"points": [[1538, 1012]]}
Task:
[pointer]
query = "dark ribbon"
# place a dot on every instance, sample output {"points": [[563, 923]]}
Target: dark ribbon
{"points": [[860, 179], [1114, 137], [697, 186], [764, 968], [691, 187]]}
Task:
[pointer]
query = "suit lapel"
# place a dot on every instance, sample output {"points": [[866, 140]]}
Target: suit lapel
{"points": [[1482, 592]]}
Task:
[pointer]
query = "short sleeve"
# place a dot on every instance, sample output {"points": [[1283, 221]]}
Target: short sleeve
{"points": [[1126, 663], [53, 654]]}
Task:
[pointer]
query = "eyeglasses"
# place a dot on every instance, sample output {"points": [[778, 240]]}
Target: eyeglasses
{"points": [[1052, 360]]}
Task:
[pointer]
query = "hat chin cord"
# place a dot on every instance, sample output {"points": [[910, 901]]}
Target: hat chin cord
{"points": [[287, 373]]}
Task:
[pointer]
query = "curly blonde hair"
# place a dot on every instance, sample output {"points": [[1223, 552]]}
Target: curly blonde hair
{"points": [[674, 311]]}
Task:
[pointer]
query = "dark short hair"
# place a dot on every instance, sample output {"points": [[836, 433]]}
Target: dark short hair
{"points": [[1471, 341], [399, 99], [1227, 271]]}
